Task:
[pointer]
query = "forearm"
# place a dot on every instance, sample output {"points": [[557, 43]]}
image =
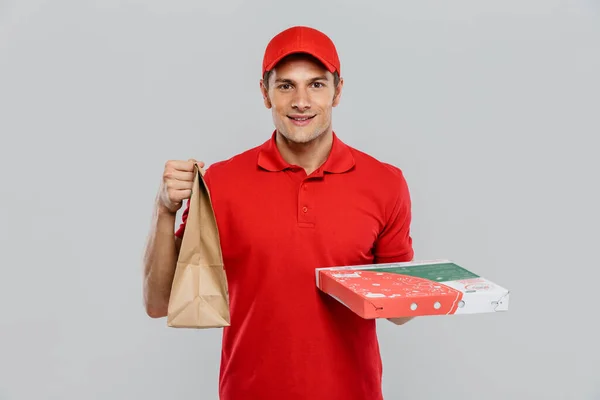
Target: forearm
{"points": [[159, 263]]}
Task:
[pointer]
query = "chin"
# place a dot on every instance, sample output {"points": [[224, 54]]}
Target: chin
{"points": [[303, 135]]}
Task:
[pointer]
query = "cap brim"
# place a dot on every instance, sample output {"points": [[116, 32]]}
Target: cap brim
{"points": [[330, 67]]}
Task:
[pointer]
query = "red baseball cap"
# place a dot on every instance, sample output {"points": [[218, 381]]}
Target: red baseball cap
{"points": [[301, 39]]}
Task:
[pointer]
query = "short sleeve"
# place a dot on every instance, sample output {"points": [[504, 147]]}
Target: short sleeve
{"points": [[394, 243]]}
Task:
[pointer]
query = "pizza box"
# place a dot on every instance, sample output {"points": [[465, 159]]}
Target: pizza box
{"points": [[408, 289]]}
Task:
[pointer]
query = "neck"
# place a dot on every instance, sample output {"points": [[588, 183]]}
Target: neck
{"points": [[309, 156]]}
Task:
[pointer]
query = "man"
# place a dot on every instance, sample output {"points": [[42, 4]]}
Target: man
{"points": [[301, 200]]}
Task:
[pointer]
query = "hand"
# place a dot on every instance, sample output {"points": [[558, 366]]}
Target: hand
{"points": [[401, 320], [177, 182]]}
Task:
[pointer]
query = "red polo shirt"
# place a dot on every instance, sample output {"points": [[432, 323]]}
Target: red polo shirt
{"points": [[287, 340]]}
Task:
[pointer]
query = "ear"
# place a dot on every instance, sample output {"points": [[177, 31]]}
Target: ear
{"points": [[338, 92], [265, 94]]}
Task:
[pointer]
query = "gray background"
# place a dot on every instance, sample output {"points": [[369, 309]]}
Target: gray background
{"points": [[490, 108]]}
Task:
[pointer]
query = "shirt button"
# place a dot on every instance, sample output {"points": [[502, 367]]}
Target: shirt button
{"points": [[305, 209]]}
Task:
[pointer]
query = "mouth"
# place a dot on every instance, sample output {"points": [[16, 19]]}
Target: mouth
{"points": [[300, 119]]}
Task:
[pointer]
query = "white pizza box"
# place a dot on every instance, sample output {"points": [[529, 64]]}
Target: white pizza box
{"points": [[408, 289]]}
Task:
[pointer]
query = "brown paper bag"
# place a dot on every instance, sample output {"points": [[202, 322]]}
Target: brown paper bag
{"points": [[199, 294]]}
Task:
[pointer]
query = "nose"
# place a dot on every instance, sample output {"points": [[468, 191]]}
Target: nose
{"points": [[301, 101]]}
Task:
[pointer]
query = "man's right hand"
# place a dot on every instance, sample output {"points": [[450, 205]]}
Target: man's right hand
{"points": [[176, 185]]}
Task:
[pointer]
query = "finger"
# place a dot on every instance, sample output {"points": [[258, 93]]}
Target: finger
{"points": [[177, 196], [200, 163], [179, 185], [179, 176], [179, 165]]}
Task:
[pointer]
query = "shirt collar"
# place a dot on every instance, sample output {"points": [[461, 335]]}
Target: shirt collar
{"points": [[340, 158]]}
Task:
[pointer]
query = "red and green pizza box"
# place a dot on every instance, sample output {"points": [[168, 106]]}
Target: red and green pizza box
{"points": [[415, 288]]}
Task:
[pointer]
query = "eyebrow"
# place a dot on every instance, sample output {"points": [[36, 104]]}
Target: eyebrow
{"points": [[318, 78]]}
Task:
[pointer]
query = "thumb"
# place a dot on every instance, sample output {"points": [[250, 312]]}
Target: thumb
{"points": [[200, 163]]}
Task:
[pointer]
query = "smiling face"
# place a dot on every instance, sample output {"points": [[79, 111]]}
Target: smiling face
{"points": [[301, 94]]}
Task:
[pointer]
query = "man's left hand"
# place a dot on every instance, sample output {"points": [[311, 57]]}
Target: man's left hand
{"points": [[400, 321]]}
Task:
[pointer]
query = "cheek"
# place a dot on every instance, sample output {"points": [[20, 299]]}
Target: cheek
{"points": [[325, 102], [278, 106], [325, 108], [279, 113]]}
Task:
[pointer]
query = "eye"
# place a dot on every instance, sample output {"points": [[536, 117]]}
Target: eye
{"points": [[318, 84], [284, 86]]}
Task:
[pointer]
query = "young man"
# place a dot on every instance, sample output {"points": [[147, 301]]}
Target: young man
{"points": [[303, 199]]}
